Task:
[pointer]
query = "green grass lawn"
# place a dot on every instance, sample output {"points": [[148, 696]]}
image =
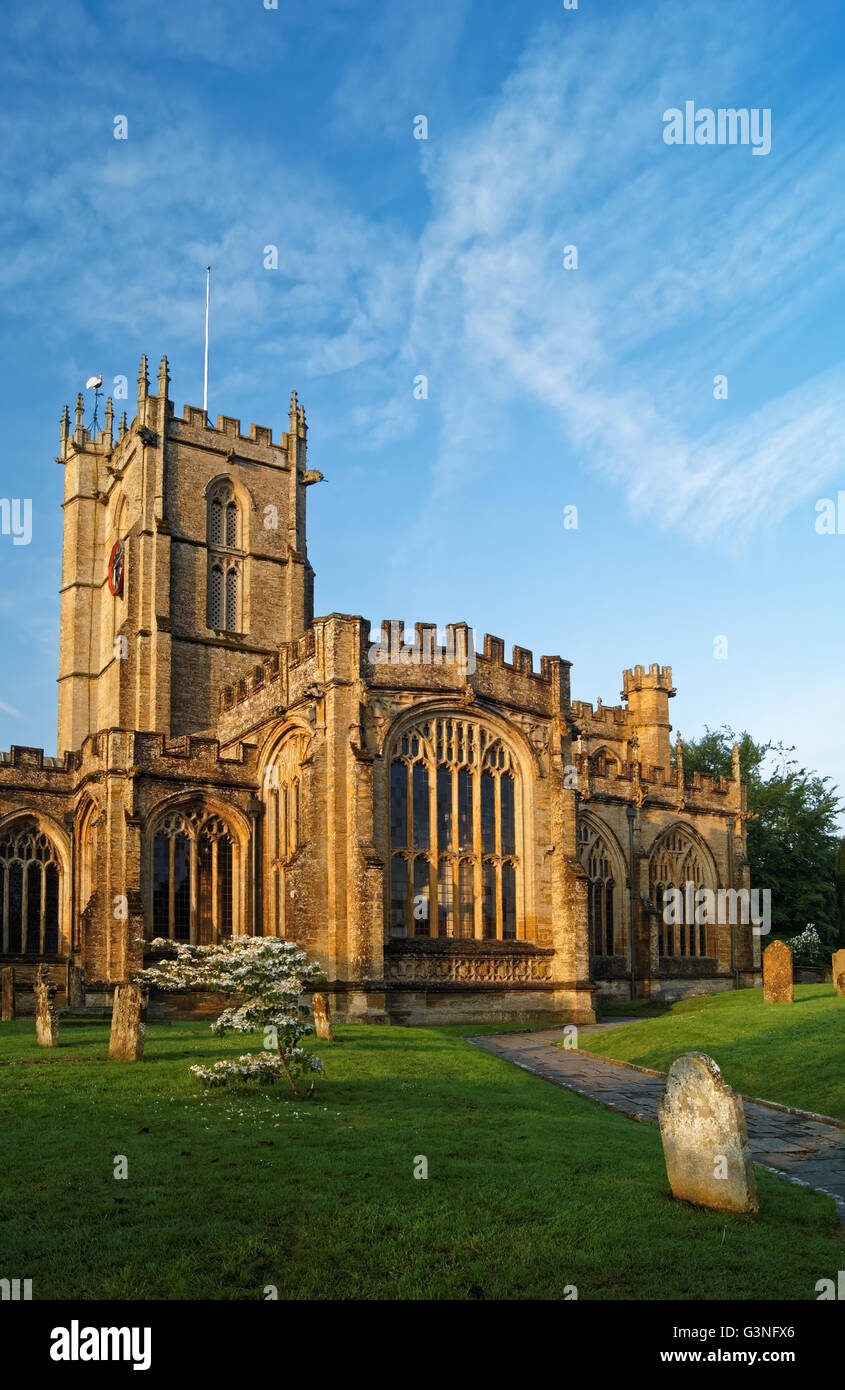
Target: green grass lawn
{"points": [[791, 1053], [530, 1188]]}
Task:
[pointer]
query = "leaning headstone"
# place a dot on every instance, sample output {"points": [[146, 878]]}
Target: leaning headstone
{"points": [[46, 1013], [837, 960], [322, 1017], [7, 994], [705, 1140], [777, 974], [75, 987], [128, 1023]]}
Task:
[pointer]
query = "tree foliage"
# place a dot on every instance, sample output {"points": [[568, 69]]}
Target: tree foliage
{"points": [[793, 838], [266, 976]]}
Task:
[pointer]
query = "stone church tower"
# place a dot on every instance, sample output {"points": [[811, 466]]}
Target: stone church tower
{"points": [[213, 572], [447, 832]]}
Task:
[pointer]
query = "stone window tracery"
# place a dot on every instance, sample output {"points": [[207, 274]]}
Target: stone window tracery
{"points": [[194, 861], [601, 890], [674, 863], [283, 828], [225, 560], [454, 855], [29, 892]]}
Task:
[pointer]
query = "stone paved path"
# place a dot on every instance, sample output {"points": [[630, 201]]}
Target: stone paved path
{"points": [[801, 1149]]}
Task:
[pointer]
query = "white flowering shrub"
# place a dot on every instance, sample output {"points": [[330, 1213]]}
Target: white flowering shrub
{"points": [[807, 948], [267, 976]]}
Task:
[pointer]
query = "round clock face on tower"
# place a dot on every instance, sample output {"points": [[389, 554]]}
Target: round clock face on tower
{"points": [[116, 570]]}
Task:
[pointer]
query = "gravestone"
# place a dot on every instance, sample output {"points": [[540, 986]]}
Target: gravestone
{"points": [[7, 997], [128, 1023], [322, 1017], [777, 974], [837, 961], [705, 1140], [75, 987], [46, 1013]]}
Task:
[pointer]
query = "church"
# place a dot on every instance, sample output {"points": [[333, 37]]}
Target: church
{"points": [[447, 832]]}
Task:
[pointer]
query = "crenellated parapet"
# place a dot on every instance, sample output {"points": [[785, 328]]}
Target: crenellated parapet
{"points": [[190, 756], [648, 693], [33, 759], [275, 685], [604, 719], [120, 750], [155, 413], [31, 779], [602, 774], [623, 752], [342, 648], [655, 678], [421, 663]]}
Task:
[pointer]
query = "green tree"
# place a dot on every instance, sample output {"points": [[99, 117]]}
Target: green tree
{"points": [[264, 979], [840, 883], [793, 840]]}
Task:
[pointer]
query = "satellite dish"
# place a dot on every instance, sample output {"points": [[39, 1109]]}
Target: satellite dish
{"points": [[93, 383]]}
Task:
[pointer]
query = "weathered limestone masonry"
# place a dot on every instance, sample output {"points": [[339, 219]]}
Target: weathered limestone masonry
{"points": [[154, 493], [671, 830], [705, 1137], [838, 972], [451, 838], [128, 1024], [46, 1014], [777, 974], [322, 1017], [107, 794], [356, 713], [7, 994]]}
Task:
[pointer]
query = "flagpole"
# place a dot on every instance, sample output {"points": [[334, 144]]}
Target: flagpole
{"points": [[205, 373]]}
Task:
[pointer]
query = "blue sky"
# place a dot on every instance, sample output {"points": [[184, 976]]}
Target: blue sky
{"points": [[398, 257]]}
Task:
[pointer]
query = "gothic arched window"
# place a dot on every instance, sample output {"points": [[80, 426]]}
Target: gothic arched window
{"points": [[194, 861], [454, 865], [225, 560], [601, 890], [29, 892], [283, 827], [675, 863]]}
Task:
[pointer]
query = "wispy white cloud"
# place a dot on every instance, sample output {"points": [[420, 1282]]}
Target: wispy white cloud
{"points": [[690, 260], [687, 262]]}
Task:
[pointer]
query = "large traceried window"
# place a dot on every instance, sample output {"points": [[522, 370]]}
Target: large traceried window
{"points": [[29, 892], [283, 825], [674, 863], [454, 865], [194, 862], [225, 560], [602, 894]]}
